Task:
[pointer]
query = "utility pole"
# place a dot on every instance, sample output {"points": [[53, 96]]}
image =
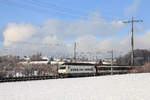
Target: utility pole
{"points": [[132, 38], [112, 58], [75, 44]]}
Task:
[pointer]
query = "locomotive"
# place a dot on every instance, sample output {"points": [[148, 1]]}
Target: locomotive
{"points": [[87, 69]]}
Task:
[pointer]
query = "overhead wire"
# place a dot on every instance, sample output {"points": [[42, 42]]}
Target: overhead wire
{"points": [[34, 43], [40, 9], [43, 7], [54, 6], [63, 9]]}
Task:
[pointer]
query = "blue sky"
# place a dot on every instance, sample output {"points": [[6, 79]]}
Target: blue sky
{"points": [[45, 20], [108, 9]]}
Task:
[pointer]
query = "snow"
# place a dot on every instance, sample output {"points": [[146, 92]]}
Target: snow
{"points": [[116, 87]]}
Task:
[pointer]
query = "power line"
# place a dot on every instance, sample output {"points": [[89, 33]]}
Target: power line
{"points": [[52, 5], [61, 9], [42, 7], [34, 43]]}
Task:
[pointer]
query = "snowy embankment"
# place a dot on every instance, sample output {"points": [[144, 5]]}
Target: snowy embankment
{"points": [[117, 87]]}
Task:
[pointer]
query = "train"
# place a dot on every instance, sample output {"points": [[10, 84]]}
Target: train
{"points": [[67, 70], [87, 69]]}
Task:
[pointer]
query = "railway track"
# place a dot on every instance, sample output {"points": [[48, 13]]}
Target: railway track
{"points": [[16, 79], [30, 78]]}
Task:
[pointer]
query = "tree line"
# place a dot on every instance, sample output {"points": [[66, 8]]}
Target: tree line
{"points": [[141, 56]]}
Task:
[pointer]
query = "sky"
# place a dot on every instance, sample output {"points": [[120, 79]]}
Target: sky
{"points": [[96, 25]]}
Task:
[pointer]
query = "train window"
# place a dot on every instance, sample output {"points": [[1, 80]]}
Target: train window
{"points": [[105, 68], [120, 68], [89, 69], [62, 67]]}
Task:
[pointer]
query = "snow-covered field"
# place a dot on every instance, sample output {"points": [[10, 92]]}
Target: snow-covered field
{"points": [[117, 87]]}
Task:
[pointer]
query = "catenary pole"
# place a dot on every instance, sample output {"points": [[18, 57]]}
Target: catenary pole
{"points": [[75, 51], [132, 21]]}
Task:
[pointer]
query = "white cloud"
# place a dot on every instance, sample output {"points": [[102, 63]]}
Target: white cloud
{"points": [[132, 9], [143, 41], [120, 45], [51, 40], [18, 32], [94, 25], [87, 32], [63, 30], [107, 44], [86, 43]]}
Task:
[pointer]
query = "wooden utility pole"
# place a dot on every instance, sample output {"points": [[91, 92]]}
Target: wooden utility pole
{"points": [[132, 37]]}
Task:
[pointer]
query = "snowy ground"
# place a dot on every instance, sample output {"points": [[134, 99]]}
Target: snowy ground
{"points": [[117, 87]]}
